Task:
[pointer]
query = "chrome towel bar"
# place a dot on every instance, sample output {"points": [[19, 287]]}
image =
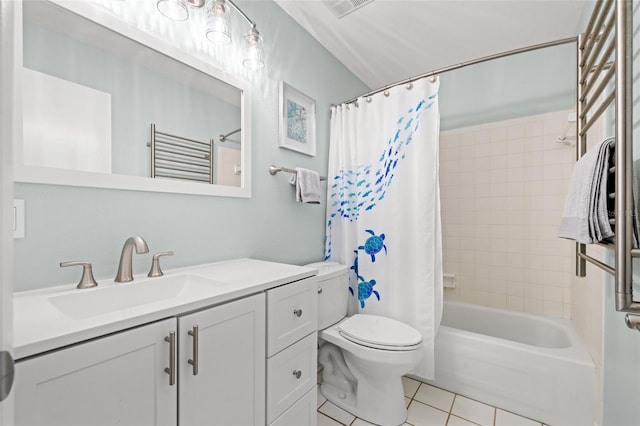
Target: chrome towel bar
{"points": [[273, 170]]}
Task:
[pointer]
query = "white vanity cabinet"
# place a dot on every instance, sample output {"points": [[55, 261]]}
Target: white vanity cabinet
{"points": [[225, 343], [118, 379], [226, 385], [125, 378], [292, 352]]}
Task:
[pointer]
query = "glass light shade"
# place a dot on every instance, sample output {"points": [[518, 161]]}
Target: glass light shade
{"points": [[174, 9], [253, 50], [218, 22]]}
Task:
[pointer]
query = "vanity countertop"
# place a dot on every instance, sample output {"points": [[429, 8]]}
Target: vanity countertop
{"points": [[55, 317]]}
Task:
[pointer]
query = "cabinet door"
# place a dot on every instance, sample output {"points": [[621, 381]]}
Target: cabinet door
{"points": [[229, 387], [118, 379]]}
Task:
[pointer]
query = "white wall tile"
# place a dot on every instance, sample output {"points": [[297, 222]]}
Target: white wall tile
{"points": [[504, 200]]}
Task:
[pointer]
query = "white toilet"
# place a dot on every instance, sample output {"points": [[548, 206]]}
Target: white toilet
{"points": [[363, 356]]}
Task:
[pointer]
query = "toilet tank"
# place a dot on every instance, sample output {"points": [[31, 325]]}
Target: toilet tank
{"points": [[333, 292]]}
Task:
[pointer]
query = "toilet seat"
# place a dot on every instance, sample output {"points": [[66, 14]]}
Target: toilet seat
{"points": [[380, 333]]}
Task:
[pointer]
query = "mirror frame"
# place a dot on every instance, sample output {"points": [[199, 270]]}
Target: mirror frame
{"points": [[52, 176]]}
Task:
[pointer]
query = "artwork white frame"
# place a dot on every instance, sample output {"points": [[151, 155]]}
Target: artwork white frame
{"points": [[297, 123]]}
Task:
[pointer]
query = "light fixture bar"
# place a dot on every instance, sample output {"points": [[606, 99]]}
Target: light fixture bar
{"points": [[241, 13]]}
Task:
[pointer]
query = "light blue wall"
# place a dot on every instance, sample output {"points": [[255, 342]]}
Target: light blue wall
{"points": [[519, 85], [73, 223], [621, 385]]}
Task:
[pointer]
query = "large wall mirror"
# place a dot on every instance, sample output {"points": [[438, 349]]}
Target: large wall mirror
{"points": [[107, 105]]}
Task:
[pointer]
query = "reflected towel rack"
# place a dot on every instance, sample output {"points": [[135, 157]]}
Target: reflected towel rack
{"points": [[273, 170], [596, 47], [176, 157], [223, 138]]}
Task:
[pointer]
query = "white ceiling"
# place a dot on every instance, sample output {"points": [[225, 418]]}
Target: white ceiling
{"points": [[386, 41]]}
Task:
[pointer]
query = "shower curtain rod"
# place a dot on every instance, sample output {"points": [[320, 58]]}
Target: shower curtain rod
{"points": [[464, 64]]}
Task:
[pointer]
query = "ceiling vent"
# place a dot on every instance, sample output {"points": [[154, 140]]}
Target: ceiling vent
{"points": [[341, 8]]}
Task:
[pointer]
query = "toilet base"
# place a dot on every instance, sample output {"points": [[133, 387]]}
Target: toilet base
{"points": [[378, 406]]}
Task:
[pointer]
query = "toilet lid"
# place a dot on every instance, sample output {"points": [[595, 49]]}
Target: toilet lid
{"points": [[380, 332]]}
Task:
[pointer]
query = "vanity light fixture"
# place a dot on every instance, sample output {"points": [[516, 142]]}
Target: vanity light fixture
{"points": [[218, 31], [173, 9], [252, 50], [218, 22]]}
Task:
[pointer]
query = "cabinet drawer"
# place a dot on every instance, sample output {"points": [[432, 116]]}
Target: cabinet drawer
{"points": [[292, 313], [291, 374], [303, 412]]}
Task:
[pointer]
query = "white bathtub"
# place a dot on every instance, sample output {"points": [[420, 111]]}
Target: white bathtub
{"points": [[530, 365]]}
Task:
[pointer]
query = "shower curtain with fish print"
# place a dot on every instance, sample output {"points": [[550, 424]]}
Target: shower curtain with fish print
{"points": [[383, 207]]}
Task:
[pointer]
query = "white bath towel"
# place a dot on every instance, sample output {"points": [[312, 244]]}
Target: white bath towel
{"points": [[586, 217], [307, 184]]}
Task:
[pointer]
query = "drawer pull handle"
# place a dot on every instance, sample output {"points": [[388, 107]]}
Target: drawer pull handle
{"points": [[194, 362], [297, 312], [297, 373], [171, 370], [319, 290]]}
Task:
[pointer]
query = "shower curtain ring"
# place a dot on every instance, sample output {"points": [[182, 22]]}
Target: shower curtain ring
{"points": [[368, 99], [409, 86], [386, 93]]}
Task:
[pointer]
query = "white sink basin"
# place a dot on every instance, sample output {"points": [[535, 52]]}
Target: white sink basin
{"points": [[113, 298]]}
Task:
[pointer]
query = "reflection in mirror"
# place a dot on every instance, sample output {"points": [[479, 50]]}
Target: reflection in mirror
{"points": [[90, 96]]}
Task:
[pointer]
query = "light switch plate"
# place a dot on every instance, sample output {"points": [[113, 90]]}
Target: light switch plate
{"points": [[18, 218]]}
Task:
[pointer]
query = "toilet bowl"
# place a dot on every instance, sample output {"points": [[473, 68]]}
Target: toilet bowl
{"points": [[363, 356]]}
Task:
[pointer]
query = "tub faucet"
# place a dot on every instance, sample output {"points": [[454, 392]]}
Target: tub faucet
{"points": [[125, 269]]}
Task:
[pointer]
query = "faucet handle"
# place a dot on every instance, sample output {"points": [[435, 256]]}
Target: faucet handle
{"points": [[87, 280], [155, 270]]}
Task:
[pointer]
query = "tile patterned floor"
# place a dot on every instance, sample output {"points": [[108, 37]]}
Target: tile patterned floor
{"points": [[430, 406]]}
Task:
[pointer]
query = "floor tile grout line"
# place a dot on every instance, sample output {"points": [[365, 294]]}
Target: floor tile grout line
{"points": [[449, 413], [335, 420], [448, 417], [416, 391], [479, 402], [428, 405], [326, 415], [453, 401]]}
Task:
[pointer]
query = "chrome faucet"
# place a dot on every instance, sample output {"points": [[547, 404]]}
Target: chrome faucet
{"points": [[125, 268]]}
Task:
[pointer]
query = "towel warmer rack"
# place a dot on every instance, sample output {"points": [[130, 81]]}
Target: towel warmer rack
{"points": [[608, 35], [177, 157]]}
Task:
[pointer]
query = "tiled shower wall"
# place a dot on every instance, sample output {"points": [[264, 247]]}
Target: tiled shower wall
{"points": [[503, 187]]}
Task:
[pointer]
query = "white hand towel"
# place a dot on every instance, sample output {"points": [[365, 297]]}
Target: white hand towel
{"points": [[307, 184]]}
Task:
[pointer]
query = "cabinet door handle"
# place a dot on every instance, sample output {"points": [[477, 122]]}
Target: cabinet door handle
{"points": [[194, 362], [297, 312], [171, 370], [297, 373]]}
